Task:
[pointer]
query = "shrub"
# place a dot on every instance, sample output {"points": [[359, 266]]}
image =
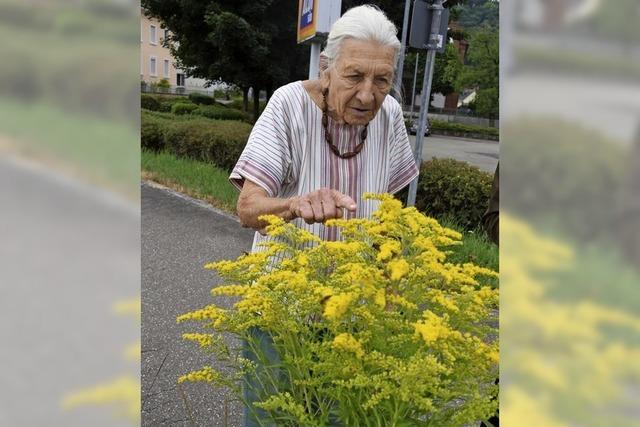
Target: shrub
{"points": [[376, 327], [238, 104], [166, 102], [199, 98], [221, 113], [219, 142], [164, 84], [183, 108], [149, 102], [460, 127], [453, 190], [152, 132], [165, 106]]}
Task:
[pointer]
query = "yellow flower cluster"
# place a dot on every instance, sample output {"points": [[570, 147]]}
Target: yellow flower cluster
{"points": [[347, 342], [375, 321], [206, 374], [216, 316], [204, 340], [388, 250], [337, 306], [398, 268], [432, 328]]}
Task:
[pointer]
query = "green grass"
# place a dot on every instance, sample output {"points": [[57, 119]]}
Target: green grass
{"points": [[476, 248], [102, 150], [198, 179]]}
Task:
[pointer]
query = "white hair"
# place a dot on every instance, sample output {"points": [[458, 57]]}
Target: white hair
{"points": [[366, 23]]}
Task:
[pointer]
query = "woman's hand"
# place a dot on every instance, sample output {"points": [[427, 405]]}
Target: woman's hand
{"points": [[317, 206], [321, 205]]}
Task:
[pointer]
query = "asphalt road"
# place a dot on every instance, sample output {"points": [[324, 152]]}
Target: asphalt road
{"points": [[179, 236], [481, 153]]}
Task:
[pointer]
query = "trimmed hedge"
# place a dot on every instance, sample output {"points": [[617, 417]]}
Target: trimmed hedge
{"points": [[161, 102], [459, 127], [198, 98], [152, 133], [452, 190], [183, 108], [219, 142], [149, 102], [166, 103], [221, 113], [169, 116]]}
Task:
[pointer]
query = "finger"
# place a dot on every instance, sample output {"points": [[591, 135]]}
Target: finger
{"points": [[344, 201], [316, 206], [328, 206], [306, 213]]}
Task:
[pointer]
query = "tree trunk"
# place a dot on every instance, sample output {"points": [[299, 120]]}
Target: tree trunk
{"points": [[269, 92], [256, 103], [245, 99]]}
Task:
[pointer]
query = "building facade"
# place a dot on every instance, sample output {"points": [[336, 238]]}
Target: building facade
{"points": [[156, 62]]}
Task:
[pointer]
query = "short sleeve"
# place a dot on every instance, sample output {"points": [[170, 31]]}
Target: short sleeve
{"points": [[403, 167], [266, 158]]}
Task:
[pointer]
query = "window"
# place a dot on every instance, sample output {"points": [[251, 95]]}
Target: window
{"points": [[152, 67], [179, 79], [166, 34], [152, 35], [166, 68]]}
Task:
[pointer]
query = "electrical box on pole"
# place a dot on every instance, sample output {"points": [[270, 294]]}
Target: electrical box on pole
{"points": [[315, 18], [429, 24], [421, 27]]}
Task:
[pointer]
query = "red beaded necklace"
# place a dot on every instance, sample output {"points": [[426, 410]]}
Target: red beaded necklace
{"points": [[327, 135]]}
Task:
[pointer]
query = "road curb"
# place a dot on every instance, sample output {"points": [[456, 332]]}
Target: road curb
{"points": [[194, 201]]}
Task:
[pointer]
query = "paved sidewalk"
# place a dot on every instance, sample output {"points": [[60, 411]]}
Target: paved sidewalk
{"points": [[179, 236]]}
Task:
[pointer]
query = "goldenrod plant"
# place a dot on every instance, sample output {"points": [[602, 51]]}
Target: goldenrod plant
{"points": [[121, 393], [376, 329]]}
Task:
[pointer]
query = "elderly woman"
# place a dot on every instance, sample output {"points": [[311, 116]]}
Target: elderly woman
{"points": [[320, 144]]}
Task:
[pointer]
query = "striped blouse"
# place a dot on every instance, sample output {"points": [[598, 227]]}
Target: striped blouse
{"points": [[287, 155]]}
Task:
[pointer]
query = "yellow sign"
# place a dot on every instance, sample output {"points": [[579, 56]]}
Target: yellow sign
{"points": [[307, 19]]}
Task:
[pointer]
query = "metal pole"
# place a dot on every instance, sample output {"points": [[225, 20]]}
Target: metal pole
{"points": [[405, 26], [413, 92], [426, 94], [314, 61]]}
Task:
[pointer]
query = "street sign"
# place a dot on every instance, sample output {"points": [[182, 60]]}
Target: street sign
{"points": [[315, 18], [421, 20], [307, 13]]}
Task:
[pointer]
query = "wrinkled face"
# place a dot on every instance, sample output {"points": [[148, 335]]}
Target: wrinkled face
{"points": [[359, 80]]}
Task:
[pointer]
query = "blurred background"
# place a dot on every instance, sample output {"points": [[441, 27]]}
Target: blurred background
{"points": [[570, 250], [69, 222]]}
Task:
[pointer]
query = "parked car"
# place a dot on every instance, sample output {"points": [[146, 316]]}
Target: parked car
{"points": [[413, 129]]}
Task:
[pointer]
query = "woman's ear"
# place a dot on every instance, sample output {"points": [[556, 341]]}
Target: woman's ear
{"points": [[325, 78]]}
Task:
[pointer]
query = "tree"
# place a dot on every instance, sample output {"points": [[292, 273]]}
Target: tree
{"points": [[473, 14], [445, 72], [249, 44], [482, 71]]}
